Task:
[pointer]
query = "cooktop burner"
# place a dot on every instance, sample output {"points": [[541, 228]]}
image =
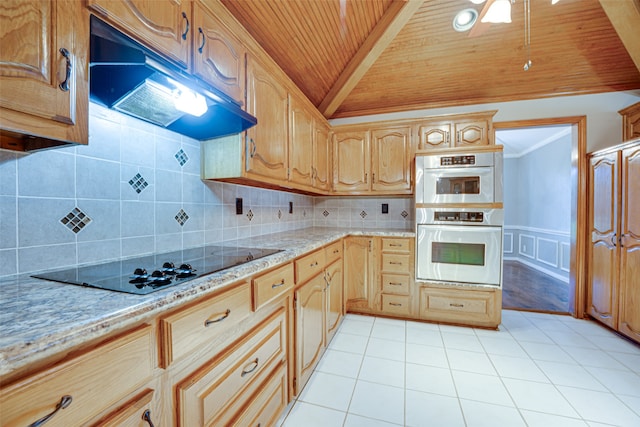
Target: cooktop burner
{"points": [[154, 272]]}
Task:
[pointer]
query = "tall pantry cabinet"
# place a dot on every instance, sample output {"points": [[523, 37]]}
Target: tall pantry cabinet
{"points": [[614, 251]]}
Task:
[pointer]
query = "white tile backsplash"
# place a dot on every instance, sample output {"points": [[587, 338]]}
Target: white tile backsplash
{"points": [[38, 189]]}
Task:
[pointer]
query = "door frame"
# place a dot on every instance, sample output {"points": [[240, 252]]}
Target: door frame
{"points": [[578, 232]]}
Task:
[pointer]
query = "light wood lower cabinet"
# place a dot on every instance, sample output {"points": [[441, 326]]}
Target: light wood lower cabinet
{"points": [[217, 392], [335, 291], [461, 305], [359, 274], [614, 252], [80, 390]]}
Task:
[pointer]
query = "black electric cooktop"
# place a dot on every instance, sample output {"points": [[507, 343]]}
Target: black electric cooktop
{"points": [[152, 273]]}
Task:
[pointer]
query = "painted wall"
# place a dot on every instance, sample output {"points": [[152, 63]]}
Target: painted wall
{"points": [[537, 207], [604, 124]]}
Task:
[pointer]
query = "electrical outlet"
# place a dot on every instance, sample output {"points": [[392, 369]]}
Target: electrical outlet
{"points": [[385, 208], [238, 205]]}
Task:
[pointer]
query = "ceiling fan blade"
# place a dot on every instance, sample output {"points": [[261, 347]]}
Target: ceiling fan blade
{"points": [[480, 27]]}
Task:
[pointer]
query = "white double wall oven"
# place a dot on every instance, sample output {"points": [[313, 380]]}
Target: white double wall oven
{"points": [[459, 217]]}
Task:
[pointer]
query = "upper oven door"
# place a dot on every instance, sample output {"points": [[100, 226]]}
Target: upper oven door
{"points": [[457, 253], [458, 185]]}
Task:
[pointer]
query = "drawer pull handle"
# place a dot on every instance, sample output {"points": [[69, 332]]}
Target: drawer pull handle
{"points": [[336, 251], [219, 319], [395, 284], [147, 417], [395, 304], [395, 245], [395, 263], [456, 305], [64, 86], [64, 403], [277, 285], [314, 264], [247, 371]]}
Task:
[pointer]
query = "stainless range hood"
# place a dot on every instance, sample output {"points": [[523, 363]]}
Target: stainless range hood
{"points": [[127, 77]]}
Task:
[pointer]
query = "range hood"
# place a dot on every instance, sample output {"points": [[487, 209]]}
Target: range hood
{"points": [[128, 77]]}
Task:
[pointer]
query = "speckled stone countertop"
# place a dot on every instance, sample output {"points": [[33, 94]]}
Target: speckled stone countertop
{"points": [[39, 318]]}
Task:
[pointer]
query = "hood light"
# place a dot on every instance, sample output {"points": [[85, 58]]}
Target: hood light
{"points": [[189, 101]]}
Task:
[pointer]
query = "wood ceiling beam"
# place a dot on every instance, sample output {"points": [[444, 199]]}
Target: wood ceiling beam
{"points": [[625, 17], [396, 16]]}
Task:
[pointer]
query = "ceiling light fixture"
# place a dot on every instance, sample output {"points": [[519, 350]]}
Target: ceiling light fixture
{"points": [[481, 1], [527, 33], [465, 19], [499, 12]]}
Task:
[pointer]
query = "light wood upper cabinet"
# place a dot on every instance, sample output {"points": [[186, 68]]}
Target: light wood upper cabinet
{"points": [[351, 161], [321, 150], [603, 292], [391, 160], [472, 129], [630, 122], [43, 73], [629, 319], [163, 25], [300, 143], [267, 141], [218, 56]]}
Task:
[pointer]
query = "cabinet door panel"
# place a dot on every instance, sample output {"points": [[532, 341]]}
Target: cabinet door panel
{"points": [[162, 25], [32, 63], [629, 321], [435, 136], [471, 133], [267, 141], [357, 272], [310, 327], [351, 160], [391, 155], [300, 143], [334, 297], [218, 56], [604, 251], [320, 156]]}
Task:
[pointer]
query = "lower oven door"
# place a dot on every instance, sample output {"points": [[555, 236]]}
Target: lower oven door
{"points": [[456, 253]]}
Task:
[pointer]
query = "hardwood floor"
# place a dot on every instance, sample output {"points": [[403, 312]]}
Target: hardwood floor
{"points": [[525, 288]]}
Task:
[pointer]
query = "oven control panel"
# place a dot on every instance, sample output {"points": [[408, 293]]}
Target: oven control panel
{"points": [[457, 160], [458, 216]]}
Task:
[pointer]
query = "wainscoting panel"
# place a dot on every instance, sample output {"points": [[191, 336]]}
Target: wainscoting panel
{"points": [[527, 246], [507, 243], [565, 256], [547, 251], [544, 250]]}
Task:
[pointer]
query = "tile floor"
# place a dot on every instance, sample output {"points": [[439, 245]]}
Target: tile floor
{"points": [[537, 370]]}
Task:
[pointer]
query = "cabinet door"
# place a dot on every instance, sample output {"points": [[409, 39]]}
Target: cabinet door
{"points": [[300, 143], [267, 141], [351, 160], [436, 135], [358, 277], [218, 56], [162, 25], [310, 328], [335, 291], [603, 201], [629, 319], [471, 133], [43, 68], [391, 156], [321, 156]]}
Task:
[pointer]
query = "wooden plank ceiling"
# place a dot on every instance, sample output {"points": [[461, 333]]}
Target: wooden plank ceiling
{"points": [[422, 62]]}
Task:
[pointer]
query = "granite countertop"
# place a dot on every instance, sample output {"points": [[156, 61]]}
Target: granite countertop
{"points": [[39, 318]]}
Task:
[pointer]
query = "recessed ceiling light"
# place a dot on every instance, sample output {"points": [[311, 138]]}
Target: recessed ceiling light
{"points": [[465, 19]]}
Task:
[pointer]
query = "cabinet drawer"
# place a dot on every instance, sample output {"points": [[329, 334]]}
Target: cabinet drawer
{"points": [[395, 284], [133, 413], [397, 263], [333, 252], [267, 406], [396, 304], [270, 285], [309, 266], [199, 325], [95, 381], [214, 392], [473, 307], [396, 245]]}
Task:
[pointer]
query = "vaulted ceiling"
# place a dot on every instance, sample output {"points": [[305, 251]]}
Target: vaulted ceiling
{"points": [[357, 57]]}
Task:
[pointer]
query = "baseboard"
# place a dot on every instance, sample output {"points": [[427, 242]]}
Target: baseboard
{"points": [[539, 268]]}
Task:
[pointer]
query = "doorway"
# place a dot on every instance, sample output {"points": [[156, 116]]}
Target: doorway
{"points": [[535, 243]]}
